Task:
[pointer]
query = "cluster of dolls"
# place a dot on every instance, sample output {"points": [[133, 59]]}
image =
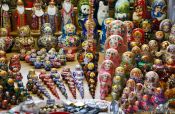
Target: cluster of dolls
{"points": [[143, 76], [12, 90], [43, 59], [53, 79]]}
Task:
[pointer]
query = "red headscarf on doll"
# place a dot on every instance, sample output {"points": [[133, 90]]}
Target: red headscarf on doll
{"points": [[138, 32], [142, 3]]}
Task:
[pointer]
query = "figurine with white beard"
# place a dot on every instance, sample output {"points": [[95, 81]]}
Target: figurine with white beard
{"points": [[51, 15], [67, 12], [5, 16], [20, 15], [37, 16]]}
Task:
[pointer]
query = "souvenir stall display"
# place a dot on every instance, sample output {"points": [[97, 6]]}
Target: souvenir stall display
{"points": [[87, 56]]}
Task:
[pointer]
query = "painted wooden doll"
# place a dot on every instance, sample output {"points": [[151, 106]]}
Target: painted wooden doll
{"points": [[172, 35], [107, 66], [140, 12], [136, 75], [5, 16], [67, 12], [122, 10], [138, 37], [37, 16], [146, 25], [20, 14], [5, 40], [165, 26], [47, 40], [105, 26], [52, 15], [105, 84], [113, 55]]}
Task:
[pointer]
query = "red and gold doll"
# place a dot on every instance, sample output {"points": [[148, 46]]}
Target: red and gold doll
{"points": [[138, 37], [140, 12], [20, 14]]}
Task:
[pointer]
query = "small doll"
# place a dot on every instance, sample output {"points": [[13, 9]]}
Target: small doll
{"points": [[38, 63], [129, 25], [120, 71], [24, 39], [47, 40], [146, 25], [47, 65], [5, 40], [70, 56], [136, 75], [138, 37], [22, 54], [139, 91], [112, 54], [78, 77], [151, 82], [154, 47], [116, 42], [165, 26], [158, 12], [62, 56], [122, 10], [105, 84], [140, 12], [172, 35], [137, 52], [145, 64], [159, 36], [128, 62], [163, 50], [131, 84], [145, 102], [107, 66], [116, 92], [105, 27], [159, 67]]}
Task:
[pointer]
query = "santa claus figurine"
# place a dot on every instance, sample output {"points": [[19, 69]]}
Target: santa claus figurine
{"points": [[67, 12], [20, 14], [37, 16], [51, 15], [5, 16]]}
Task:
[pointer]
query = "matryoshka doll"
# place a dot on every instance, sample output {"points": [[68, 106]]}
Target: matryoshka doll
{"points": [[47, 40], [69, 39], [14, 66], [128, 62], [172, 35], [154, 47], [116, 27], [140, 12], [129, 26], [170, 59], [165, 26], [122, 8], [146, 25], [136, 75], [158, 12], [145, 64], [159, 36], [5, 40], [151, 82], [113, 55], [105, 27], [137, 52], [120, 71], [131, 84], [105, 84], [138, 37], [116, 42], [107, 66]]}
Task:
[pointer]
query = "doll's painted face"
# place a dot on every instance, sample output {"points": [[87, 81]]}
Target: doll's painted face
{"points": [[126, 90], [157, 8], [136, 73], [159, 35], [110, 54], [107, 65], [113, 42], [128, 57], [153, 44], [138, 9], [69, 28], [131, 83], [166, 27], [85, 9], [120, 71], [105, 77], [152, 77], [116, 88], [137, 36], [146, 26], [171, 49], [91, 66], [116, 79]]}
